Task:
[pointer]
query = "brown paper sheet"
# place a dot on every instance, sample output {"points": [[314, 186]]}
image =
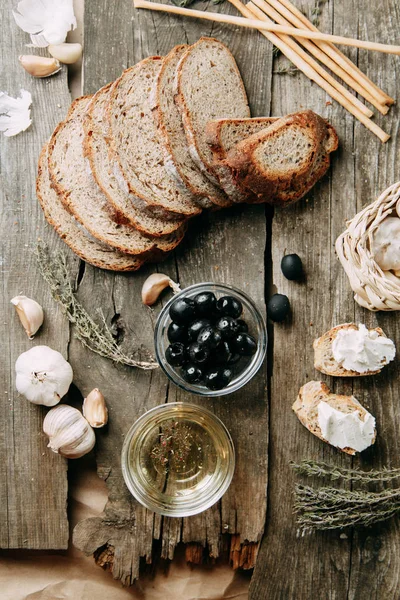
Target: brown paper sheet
{"points": [[73, 576]]}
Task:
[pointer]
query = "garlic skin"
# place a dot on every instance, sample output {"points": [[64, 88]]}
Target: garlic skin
{"points": [[43, 375], [47, 21], [154, 285], [39, 66], [68, 54], [30, 314], [15, 113], [385, 245], [95, 409], [68, 431]]}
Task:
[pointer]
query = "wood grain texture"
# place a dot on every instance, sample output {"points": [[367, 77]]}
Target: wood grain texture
{"points": [[363, 564], [225, 247], [33, 480]]}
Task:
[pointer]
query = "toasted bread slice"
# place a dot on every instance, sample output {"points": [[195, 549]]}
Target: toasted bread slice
{"points": [[306, 407], [324, 360]]}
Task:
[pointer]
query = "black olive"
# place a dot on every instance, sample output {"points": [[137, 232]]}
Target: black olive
{"points": [[230, 307], [221, 355], [195, 327], [228, 327], [192, 373], [198, 354], [175, 354], [292, 267], [218, 378], [244, 344], [183, 311], [209, 337], [243, 327], [205, 303], [177, 333], [278, 307]]}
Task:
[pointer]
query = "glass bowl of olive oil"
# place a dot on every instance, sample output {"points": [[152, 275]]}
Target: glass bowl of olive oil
{"points": [[178, 459]]}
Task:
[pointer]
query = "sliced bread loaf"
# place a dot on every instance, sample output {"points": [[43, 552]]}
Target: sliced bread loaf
{"points": [[306, 408], [208, 86], [72, 179], [173, 139], [136, 146], [72, 233], [281, 158], [222, 135], [107, 175], [324, 360]]}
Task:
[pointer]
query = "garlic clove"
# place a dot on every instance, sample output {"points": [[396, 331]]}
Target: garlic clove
{"points": [[95, 409], [154, 285], [40, 66], [43, 375], [30, 314], [66, 53], [68, 431]]}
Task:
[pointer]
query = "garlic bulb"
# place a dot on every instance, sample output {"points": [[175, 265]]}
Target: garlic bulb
{"points": [[66, 53], [95, 409], [30, 314], [69, 433], [385, 246], [154, 285], [39, 66], [43, 375]]}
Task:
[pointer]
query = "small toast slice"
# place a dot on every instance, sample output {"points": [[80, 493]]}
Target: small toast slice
{"points": [[306, 408], [323, 357]]}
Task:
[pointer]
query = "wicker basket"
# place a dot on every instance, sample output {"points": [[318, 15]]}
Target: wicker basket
{"points": [[374, 289]]}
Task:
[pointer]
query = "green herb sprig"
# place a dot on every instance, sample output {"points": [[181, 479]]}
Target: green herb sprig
{"points": [[98, 339], [333, 508]]}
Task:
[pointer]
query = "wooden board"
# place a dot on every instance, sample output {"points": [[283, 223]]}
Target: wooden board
{"points": [[225, 247], [363, 564], [33, 480]]}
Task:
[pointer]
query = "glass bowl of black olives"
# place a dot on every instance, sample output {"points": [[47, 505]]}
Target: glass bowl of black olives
{"points": [[210, 339]]}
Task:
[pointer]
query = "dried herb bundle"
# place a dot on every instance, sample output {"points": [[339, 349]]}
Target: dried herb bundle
{"points": [[98, 339], [332, 508]]}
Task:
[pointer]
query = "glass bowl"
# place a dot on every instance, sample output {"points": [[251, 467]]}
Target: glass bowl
{"points": [[251, 315], [178, 459]]}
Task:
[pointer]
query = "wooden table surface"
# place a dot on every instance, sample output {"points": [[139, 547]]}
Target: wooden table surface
{"points": [[242, 246]]}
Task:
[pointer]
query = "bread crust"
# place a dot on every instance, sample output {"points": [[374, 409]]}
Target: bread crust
{"points": [[323, 357], [306, 408]]}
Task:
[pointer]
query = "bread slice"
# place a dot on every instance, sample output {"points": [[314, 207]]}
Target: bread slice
{"points": [[136, 146], [306, 407], [72, 233], [110, 180], [222, 135], [173, 139], [208, 86], [323, 357], [72, 179], [281, 158]]}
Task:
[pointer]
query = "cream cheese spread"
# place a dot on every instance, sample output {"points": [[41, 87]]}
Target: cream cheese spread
{"points": [[362, 350], [346, 430]]}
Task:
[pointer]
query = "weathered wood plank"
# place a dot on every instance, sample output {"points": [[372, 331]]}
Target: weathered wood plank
{"points": [[225, 247], [324, 565], [33, 488]]}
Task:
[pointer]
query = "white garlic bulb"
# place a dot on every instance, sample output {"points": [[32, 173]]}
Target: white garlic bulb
{"points": [[43, 375], [30, 314], [95, 409], [69, 433], [385, 246], [154, 285]]}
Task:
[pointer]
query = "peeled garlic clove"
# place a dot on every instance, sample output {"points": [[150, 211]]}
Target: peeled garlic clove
{"points": [[154, 285], [30, 314], [69, 432], [39, 66], [66, 53], [95, 409]]}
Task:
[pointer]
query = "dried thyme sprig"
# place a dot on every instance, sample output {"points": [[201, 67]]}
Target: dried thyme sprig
{"points": [[316, 12], [97, 339], [332, 508], [311, 468], [290, 70]]}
